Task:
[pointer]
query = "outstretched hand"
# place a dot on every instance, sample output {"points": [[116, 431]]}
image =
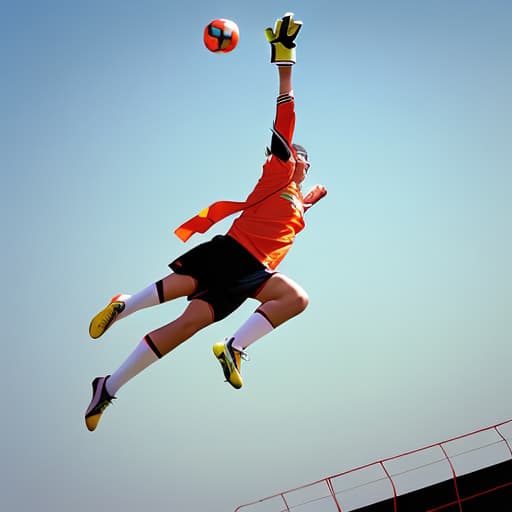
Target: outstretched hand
{"points": [[313, 196], [282, 40]]}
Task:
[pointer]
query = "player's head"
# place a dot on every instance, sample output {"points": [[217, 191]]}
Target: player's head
{"points": [[301, 150], [302, 165], [302, 155]]}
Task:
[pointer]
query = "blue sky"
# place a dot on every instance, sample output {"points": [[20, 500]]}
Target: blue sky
{"points": [[117, 125]]}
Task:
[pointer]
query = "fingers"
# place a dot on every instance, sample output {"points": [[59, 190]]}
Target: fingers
{"points": [[270, 34], [290, 27], [284, 27]]}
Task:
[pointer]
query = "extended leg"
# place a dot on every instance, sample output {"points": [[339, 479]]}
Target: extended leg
{"points": [[152, 347], [122, 305]]}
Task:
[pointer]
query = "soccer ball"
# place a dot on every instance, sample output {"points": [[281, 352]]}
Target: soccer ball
{"points": [[221, 36]]}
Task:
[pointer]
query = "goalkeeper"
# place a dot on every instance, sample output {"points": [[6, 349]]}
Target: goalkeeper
{"points": [[219, 275]]}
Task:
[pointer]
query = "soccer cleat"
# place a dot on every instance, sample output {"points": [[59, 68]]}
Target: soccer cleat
{"points": [[100, 401], [229, 358], [107, 316]]}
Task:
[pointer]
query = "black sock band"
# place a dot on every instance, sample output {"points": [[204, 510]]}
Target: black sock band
{"points": [[160, 290], [262, 313], [152, 346]]}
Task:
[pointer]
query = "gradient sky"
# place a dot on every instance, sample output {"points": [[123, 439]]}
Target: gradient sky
{"points": [[116, 125]]}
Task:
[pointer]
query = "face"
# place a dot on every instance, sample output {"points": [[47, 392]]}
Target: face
{"points": [[301, 169]]}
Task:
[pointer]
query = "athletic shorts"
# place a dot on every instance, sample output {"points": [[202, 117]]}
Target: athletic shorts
{"points": [[226, 273]]}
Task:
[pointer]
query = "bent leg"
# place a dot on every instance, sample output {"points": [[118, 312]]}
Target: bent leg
{"points": [[281, 299]]}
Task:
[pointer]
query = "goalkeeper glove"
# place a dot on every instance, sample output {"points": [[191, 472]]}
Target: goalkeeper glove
{"points": [[282, 39]]}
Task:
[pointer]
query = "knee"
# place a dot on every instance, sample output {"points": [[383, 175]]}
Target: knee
{"points": [[300, 300]]}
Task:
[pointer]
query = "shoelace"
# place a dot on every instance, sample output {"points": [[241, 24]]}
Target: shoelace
{"points": [[105, 403], [109, 318], [243, 354]]}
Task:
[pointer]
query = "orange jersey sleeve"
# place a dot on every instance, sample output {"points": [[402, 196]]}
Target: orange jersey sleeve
{"points": [[284, 123]]}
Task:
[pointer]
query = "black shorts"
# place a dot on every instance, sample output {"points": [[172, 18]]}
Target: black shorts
{"points": [[226, 274]]}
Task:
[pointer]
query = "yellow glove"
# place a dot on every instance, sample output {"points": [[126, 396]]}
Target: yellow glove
{"points": [[282, 39]]}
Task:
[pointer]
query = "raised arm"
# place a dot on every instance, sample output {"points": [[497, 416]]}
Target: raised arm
{"points": [[283, 54], [282, 41], [285, 79]]}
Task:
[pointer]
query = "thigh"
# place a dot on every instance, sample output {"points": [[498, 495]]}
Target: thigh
{"points": [[178, 285], [277, 287], [196, 316]]}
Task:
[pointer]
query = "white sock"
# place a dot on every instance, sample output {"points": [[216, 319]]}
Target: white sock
{"points": [[147, 297], [137, 361], [255, 327]]}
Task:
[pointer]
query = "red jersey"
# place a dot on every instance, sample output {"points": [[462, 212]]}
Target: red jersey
{"points": [[267, 229], [273, 213]]}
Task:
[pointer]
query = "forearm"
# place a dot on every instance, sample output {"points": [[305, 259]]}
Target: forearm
{"points": [[284, 123], [285, 79], [282, 39]]}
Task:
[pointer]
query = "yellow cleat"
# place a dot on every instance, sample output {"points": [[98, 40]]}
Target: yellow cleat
{"points": [[107, 316], [100, 401], [230, 358]]}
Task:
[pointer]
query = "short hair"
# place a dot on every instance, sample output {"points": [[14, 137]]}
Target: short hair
{"points": [[301, 150]]}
